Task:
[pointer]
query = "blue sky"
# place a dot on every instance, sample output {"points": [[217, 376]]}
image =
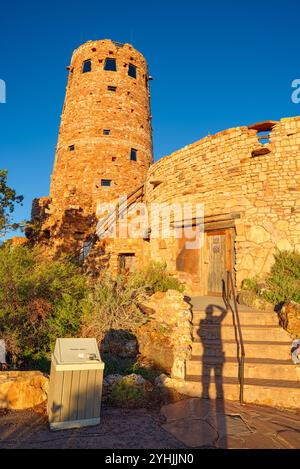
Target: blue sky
{"points": [[215, 65]]}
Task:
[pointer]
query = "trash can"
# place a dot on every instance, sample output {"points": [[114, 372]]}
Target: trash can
{"points": [[75, 388]]}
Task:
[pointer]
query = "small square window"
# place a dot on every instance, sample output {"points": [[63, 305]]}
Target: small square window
{"points": [[87, 66], [110, 65], [71, 147], [106, 132], [132, 71], [106, 182], [112, 88], [133, 154], [114, 158]]}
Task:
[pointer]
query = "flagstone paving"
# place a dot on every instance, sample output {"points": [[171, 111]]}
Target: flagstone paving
{"points": [[218, 424], [190, 423]]}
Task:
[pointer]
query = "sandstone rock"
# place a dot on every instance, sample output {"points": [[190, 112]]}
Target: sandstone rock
{"points": [[289, 318], [166, 339], [178, 368], [22, 390], [155, 344]]}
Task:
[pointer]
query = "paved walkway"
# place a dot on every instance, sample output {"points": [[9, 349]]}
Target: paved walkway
{"points": [[217, 424], [191, 423]]}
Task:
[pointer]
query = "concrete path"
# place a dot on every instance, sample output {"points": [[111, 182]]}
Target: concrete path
{"points": [[190, 423]]}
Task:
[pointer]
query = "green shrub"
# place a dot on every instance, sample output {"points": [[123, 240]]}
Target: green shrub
{"points": [[126, 395], [154, 278], [251, 284], [283, 282], [40, 300], [113, 304]]}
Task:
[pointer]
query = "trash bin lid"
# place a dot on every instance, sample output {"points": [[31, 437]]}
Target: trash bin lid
{"points": [[75, 351]]}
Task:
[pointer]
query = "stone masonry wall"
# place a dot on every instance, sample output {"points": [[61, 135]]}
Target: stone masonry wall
{"points": [[222, 172]]}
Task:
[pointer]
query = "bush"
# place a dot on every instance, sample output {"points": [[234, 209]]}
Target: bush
{"points": [[251, 284], [283, 282], [114, 303], [125, 395], [40, 300], [154, 278]]}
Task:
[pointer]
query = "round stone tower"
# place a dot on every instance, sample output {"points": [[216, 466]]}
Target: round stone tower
{"points": [[105, 140], [104, 147]]}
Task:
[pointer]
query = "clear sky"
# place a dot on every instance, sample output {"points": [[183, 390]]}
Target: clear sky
{"points": [[216, 64]]}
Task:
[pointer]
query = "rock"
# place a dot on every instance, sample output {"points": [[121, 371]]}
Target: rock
{"points": [[155, 344], [137, 381], [133, 380], [246, 297], [22, 390], [120, 345], [249, 298], [178, 368], [110, 380], [289, 318], [167, 337]]}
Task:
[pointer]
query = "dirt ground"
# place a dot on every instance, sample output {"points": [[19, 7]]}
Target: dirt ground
{"points": [[119, 429]]}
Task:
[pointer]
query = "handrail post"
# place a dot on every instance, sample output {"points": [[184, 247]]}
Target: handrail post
{"points": [[230, 290]]}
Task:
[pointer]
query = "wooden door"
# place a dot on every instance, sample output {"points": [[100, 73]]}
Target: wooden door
{"points": [[219, 260]]}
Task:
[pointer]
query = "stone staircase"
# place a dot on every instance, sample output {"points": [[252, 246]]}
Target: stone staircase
{"points": [[270, 376]]}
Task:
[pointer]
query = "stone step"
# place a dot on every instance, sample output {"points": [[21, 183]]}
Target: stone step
{"points": [[253, 349], [254, 368], [253, 332], [246, 318], [278, 393]]}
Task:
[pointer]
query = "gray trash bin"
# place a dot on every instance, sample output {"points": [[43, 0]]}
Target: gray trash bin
{"points": [[75, 384]]}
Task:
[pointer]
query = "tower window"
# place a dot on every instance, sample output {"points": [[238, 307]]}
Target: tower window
{"points": [[106, 132], [110, 65], [133, 154], [106, 182], [132, 70], [87, 66], [112, 88], [71, 147]]}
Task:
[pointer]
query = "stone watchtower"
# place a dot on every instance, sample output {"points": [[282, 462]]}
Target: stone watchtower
{"points": [[104, 147]]}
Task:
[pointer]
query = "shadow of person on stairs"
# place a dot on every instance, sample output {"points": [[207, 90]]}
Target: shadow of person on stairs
{"points": [[213, 359]]}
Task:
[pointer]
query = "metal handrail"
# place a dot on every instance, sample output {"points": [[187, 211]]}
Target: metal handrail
{"points": [[230, 292]]}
